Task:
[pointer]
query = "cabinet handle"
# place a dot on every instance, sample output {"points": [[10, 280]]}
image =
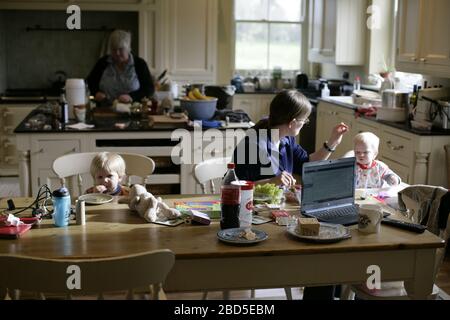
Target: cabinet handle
{"points": [[332, 113], [394, 148], [7, 114], [423, 60]]}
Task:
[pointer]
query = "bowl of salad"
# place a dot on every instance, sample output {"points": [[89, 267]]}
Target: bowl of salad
{"points": [[267, 193]]}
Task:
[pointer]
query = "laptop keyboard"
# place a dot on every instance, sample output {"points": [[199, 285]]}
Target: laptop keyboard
{"points": [[336, 213]]}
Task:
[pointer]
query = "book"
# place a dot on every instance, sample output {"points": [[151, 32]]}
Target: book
{"points": [[211, 208]]}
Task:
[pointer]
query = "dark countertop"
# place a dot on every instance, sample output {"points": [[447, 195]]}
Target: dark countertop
{"points": [[104, 124], [344, 102]]}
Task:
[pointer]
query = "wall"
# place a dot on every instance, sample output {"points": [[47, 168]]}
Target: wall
{"points": [[2, 54], [34, 56], [225, 60]]}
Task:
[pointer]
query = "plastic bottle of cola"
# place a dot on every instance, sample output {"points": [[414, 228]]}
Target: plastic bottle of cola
{"points": [[230, 200]]}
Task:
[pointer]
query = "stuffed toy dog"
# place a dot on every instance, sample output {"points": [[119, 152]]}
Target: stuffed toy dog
{"points": [[150, 208]]}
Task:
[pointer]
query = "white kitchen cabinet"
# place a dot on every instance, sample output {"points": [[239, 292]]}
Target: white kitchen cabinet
{"points": [[417, 159], [44, 149], [192, 35], [423, 44], [257, 106], [337, 31], [10, 117], [328, 116]]}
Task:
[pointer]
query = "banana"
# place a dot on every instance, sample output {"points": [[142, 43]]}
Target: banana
{"points": [[191, 95], [198, 94]]}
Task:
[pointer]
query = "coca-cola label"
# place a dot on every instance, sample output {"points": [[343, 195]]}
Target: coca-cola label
{"points": [[231, 195]]}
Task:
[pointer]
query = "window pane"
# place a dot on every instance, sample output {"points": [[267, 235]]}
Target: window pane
{"points": [[250, 9], [251, 45], [285, 45], [285, 10]]}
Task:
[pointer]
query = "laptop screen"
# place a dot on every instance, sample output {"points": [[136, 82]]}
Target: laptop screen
{"points": [[328, 183]]}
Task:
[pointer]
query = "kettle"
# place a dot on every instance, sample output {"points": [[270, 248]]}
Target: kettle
{"points": [[301, 81]]}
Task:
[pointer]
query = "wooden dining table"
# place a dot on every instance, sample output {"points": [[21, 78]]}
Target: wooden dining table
{"points": [[203, 262]]}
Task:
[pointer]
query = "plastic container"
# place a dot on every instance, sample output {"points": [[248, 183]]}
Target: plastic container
{"points": [[325, 91], [75, 92], [61, 207], [246, 210], [199, 109]]}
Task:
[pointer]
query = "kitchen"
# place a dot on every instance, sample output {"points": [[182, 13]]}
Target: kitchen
{"points": [[197, 42]]}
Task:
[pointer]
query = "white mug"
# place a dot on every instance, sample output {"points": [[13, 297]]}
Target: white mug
{"points": [[369, 218]]}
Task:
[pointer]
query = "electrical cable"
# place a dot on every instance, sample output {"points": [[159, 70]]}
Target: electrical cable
{"points": [[44, 193]]}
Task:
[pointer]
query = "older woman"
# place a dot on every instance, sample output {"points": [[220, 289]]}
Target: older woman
{"points": [[120, 75]]}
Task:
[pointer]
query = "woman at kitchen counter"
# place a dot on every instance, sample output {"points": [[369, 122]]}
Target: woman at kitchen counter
{"points": [[120, 75], [269, 158]]}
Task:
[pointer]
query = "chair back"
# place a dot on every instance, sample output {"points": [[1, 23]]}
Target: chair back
{"points": [[209, 170], [87, 276], [423, 204], [77, 164]]}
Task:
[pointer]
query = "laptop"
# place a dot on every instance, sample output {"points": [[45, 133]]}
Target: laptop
{"points": [[328, 192]]}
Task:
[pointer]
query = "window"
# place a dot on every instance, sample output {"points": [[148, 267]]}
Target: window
{"points": [[268, 34]]}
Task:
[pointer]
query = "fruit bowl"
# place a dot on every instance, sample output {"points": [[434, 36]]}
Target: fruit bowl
{"points": [[199, 109]]}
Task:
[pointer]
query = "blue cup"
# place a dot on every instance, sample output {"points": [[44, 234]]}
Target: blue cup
{"points": [[61, 207]]}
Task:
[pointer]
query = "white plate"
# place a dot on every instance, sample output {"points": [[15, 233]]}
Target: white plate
{"points": [[328, 233], [96, 198]]}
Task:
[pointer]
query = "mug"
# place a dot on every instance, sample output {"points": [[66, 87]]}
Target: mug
{"points": [[369, 218]]}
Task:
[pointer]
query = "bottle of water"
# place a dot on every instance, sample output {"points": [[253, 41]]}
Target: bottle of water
{"points": [[61, 207]]}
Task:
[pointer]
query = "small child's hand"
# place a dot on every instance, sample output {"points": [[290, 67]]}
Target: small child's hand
{"points": [[392, 180], [100, 189]]}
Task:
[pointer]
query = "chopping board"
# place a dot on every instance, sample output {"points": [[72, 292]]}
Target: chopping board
{"points": [[166, 120]]}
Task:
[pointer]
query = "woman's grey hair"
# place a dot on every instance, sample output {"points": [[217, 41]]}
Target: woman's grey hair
{"points": [[120, 39]]}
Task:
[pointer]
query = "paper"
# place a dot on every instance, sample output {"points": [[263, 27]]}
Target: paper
{"points": [[80, 126]]}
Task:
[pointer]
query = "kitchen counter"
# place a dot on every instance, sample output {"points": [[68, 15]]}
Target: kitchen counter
{"points": [[105, 124], [347, 102]]}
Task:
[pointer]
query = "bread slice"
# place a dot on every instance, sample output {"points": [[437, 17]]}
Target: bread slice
{"points": [[308, 227]]}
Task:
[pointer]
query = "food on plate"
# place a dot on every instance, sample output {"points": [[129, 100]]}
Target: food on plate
{"points": [[308, 227], [248, 234], [269, 191]]}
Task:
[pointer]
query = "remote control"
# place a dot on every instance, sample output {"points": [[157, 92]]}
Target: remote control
{"points": [[404, 225]]}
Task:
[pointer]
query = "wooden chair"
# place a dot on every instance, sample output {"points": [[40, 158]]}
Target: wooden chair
{"points": [[207, 171], [395, 290], [138, 273], [76, 164]]}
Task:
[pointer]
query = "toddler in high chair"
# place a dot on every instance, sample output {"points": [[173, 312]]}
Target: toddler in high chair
{"points": [[108, 170], [371, 173]]}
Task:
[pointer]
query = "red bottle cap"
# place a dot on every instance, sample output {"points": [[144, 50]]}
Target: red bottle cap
{"points": [[231, 166]]}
